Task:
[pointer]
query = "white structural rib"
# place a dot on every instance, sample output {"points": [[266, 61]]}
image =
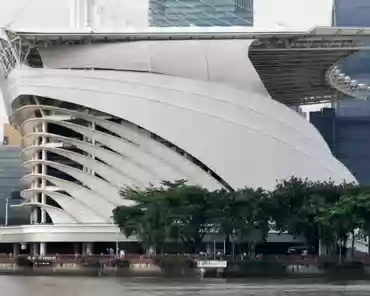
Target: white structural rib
{"points": [[110, 174], [58, 216], [98, 186], [100, 206], [150, 164], [140, 138], [78, 210], [114, 160]]}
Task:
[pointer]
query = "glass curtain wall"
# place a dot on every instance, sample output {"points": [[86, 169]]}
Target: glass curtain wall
{"points": [[10, 186], [200, 13]]}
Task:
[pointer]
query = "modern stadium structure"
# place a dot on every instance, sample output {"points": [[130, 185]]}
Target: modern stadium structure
{"points": [[100, 111]]}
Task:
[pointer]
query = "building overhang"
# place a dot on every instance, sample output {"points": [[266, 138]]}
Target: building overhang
{"points": [[187, 33], [62, 233], [296, 67], [37, 233]]}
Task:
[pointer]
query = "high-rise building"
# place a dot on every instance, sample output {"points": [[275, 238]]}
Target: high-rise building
{"points": [[351, 13], [202, 13], [12, 137], [348, 138], [10, 175], [346, 127]]}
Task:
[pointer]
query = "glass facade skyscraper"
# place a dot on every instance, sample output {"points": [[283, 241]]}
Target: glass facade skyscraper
{"points": [[346, 128], [200, 13], [351, 13], [10, 185], [354, 13]]}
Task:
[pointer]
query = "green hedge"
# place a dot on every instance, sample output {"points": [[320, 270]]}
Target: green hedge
{"points": [[23, 262]]}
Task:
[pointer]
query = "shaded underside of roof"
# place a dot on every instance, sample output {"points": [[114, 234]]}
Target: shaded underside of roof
{"points": [[296, 77]]}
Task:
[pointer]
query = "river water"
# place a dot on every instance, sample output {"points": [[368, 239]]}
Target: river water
{"points": [[84, 286]]}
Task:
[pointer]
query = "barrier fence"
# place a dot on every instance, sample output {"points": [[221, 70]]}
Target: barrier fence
{"points": [[141, 259]]}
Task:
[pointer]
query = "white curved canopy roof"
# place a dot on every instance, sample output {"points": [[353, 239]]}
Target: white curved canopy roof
{"points": [[247, 138]]}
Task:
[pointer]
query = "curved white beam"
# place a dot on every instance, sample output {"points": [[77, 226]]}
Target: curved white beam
{"points": [[110, 174], [121, 146], [142, 139], [100, 187], [136, 170], [81, 212], [58, 216], [111, 158], [135, 174], [100, 206]]}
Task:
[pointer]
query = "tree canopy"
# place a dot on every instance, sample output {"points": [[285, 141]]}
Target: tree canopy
{"points": [[185, 213]]}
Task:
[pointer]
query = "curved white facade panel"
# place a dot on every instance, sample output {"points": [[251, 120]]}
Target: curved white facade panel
{"points": [[100, 117], [195, 59], [221, 117]]}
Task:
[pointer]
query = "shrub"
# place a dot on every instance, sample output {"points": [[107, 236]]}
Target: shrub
{"points": [[23, 262]]}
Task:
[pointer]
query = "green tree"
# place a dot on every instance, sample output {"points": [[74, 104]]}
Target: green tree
{"points": [[340, 219], [240, 215], [224, 215], [254, 216], [150, 218], [297, 203], [173, 210], [191, 209], [359, 204]]}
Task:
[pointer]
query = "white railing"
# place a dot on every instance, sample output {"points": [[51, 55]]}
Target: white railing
{"points": [[339, 80], [7, 60]]}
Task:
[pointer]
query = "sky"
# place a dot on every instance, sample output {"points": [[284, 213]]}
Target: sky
{"points": [[268, 13], [54, 14]]}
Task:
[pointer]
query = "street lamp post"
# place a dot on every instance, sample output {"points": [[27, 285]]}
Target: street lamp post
{"points": [[6, 210], [117, 242]]}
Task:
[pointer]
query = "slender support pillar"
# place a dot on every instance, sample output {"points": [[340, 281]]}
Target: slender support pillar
{"points": [[35, 184], [16, 249], [43, 172], [77, 248], [43, 249], [209, 249], [34, 249], [87, 248], [93, 126]]}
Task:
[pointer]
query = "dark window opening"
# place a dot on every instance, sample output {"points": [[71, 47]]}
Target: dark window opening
{"points": [[98, 159], [60, 175], [6, 140], [34, 59], [63, 131], [100, 177], [74, 149], [105, 131], [51, 156], [107, 148], [52, 202]]}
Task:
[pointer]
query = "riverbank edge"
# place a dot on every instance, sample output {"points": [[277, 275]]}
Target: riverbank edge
{"points": [[236, 270]]}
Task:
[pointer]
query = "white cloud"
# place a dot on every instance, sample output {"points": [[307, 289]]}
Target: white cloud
{"points": [[292, 14]]}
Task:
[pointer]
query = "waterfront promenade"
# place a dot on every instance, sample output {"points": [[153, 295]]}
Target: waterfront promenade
{"points": [[285, 266]]}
